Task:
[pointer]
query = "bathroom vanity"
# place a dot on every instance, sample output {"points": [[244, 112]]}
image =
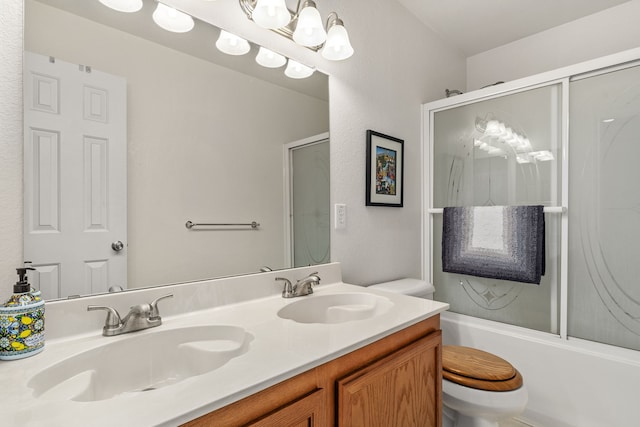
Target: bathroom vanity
{"points": [[394, 381], [232, 351]]}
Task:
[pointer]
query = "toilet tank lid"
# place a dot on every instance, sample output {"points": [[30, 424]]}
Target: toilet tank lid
{"points": [[406, 286]]}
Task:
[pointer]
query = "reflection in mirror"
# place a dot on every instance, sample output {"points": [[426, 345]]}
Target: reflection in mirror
{"points": [[198, 141]]}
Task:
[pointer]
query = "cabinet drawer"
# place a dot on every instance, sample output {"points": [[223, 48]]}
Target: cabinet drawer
{"points": [[308, 411]]}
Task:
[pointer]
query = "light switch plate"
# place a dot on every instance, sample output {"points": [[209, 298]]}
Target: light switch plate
{"points": [[340, 216]]}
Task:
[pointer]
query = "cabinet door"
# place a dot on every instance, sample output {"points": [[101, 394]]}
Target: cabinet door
{"points": [[403, 389], [308, 411]]}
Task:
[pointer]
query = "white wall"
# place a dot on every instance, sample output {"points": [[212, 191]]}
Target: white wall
{"points": [[610, 31], [397, 64], [191, 155]]}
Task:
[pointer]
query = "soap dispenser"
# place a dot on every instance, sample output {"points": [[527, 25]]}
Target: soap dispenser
{"points": [[21, 321]]}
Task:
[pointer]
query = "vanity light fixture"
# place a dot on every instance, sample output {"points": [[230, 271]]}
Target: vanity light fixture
{"points": [[270, 59], [172, 20], [337, 47], [296, 70], [271, 14], [128, 6], [309, 30], [232, 44], [304, 26]]}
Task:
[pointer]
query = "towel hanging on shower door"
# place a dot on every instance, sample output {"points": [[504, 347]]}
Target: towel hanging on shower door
{"points": [[498, 242]]}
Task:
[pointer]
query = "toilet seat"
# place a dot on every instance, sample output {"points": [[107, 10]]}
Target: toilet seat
{"points": [[478, 369]]}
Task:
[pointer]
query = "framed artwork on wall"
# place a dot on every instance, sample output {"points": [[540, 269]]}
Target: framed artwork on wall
{"points": [[385, 166]]}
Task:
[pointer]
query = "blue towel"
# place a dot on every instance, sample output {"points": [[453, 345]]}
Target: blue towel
{"points": [[498, 242]]}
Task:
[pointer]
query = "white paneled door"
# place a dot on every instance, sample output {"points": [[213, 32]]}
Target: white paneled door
{"points": [[75, 177]]}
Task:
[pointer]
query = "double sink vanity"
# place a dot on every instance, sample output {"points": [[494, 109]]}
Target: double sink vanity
{"points": [[233, 351]]}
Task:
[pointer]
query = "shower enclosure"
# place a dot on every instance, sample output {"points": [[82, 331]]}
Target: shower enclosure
{"points": [[568, 140]]}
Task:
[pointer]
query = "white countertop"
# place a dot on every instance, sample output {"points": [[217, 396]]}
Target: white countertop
{"points": [[279, 349]]}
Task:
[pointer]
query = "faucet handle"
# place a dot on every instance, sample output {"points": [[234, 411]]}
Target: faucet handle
{"points": [[154, 314], [113, 320], [311, 276], [287, 292]]}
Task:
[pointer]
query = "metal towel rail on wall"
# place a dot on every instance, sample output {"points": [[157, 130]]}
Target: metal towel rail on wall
{"points": [[547, 209], [189, 224]]}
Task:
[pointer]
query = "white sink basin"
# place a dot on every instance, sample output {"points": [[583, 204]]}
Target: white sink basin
{"points": [[336, 308], [140, 363]]}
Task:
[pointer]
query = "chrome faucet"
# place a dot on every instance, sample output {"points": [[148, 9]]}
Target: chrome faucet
{"points": [[301, 288], [141, 316]]}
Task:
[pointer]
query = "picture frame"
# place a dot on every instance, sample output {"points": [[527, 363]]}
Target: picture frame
{"points": [[385, 170]]}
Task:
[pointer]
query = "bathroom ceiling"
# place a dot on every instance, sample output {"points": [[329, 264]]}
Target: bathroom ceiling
{"points": [[474, 26]]}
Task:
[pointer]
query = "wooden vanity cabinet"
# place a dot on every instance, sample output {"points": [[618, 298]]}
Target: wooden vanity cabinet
{"points": [[402, 389], [395, 381]]}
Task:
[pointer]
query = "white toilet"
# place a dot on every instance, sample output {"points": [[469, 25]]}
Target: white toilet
{"points": [[479, 389]]}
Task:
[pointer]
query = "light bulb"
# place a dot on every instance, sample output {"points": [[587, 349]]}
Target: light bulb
{"points": [[337, 47], [123, 5], [270, 59], [296, 70], [271, 14], [232, 44], [172, 20], [309, 30], [493, 127]]}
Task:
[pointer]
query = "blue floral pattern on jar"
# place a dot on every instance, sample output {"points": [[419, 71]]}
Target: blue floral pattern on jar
{"points": [[21, 331]]}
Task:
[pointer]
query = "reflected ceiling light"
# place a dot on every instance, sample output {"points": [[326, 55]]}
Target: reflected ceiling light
{"points": [[123, 5], [495, 132], [270, 59], [309, 29], [503, 133], [296, 70], [489, 149], [172, 20], [337, 47], [542, 156], [608, 120], [271, 14], [304, 26], [232, 44]]}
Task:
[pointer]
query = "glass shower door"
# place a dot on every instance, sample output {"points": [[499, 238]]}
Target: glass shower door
{"points": [[310, 204], [500, 151], [604, 189]]}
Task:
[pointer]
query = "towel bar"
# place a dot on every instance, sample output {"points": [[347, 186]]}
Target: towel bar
{"points": [[189, 224], [547, 209]]}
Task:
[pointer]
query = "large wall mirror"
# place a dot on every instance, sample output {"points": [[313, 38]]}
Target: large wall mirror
{"points": [[203, 136]]}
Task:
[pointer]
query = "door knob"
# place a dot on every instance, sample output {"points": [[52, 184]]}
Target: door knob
{"points": [[117, 246]]}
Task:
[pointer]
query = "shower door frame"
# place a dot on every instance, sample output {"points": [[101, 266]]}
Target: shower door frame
{"points": [[562, 77]]}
